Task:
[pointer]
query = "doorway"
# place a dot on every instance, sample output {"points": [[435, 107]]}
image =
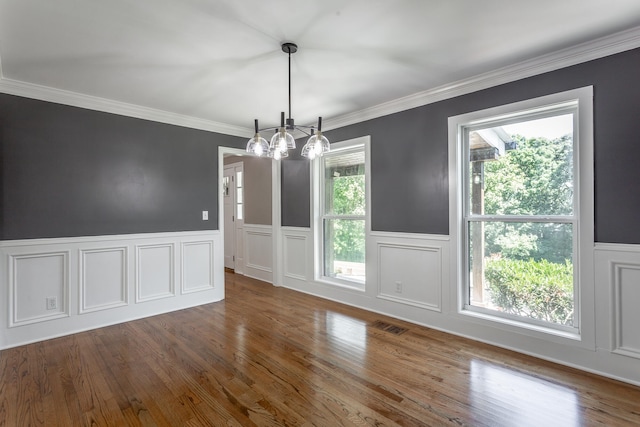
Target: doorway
{"points": [[233, 199]]}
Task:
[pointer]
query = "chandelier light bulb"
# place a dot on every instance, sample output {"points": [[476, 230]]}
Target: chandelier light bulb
{"points": [[257, 145]]}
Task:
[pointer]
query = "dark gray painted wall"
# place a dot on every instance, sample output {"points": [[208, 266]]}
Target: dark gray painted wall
{"points": [[409, 151], [72, 172], [296, 180], [68, 171]]}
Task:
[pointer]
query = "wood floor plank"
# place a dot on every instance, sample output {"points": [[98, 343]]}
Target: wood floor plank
{"points": [[269, 356]]}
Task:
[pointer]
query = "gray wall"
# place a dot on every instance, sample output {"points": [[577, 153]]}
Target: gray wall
{"points": [[68, 171], [257, 188], [409, 171], [295, 185]]}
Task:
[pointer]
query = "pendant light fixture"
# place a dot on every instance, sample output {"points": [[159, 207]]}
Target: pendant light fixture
{"points": [[282, 140]]}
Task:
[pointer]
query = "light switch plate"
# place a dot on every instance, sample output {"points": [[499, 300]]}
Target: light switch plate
{"points": [[205, 215]]}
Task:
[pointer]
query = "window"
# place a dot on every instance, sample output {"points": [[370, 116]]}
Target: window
{"points": [[524, 206], [240, 195], [343, 214]]}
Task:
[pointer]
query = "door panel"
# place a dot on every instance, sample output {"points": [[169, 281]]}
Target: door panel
{"points": [[228, 195]]}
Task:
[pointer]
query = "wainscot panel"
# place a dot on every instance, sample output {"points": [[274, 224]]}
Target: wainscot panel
{"points": [[38, 286], [410, 274], [296, 255], [197, 266], [155, 272], [258, 252], [103, 279], [618, 296]]}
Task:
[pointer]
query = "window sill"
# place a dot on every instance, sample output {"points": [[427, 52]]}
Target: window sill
{"points": [[355, 286], [525, 328]]}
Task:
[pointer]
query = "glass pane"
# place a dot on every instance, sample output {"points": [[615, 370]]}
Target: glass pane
{"points": [[344, 184], [239, 179], [344, 249], [523, 269], [225, 186], [524, 168], [240, 211], [240, 194]]}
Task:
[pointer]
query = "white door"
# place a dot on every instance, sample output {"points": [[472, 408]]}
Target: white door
{"points": [[229, 196], [233, 194]]}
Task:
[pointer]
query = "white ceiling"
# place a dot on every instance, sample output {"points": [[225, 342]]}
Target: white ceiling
{"points": [[220, 60]]}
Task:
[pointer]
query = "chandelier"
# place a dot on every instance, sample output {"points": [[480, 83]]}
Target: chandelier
{"points": [[282, 140]]}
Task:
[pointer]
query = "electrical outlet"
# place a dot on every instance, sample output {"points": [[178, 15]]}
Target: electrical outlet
{"points": [[399, 287], [205, 215], [52, 303]]}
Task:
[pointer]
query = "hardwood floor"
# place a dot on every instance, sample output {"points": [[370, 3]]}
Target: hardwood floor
{"points": [[269, 356]]}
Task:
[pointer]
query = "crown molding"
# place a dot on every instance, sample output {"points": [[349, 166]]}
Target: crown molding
{"points": [[74, 99], [599, 48]]}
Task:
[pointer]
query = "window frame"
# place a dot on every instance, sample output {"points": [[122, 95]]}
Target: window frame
{"points": [[583, 332], [318, 210]]}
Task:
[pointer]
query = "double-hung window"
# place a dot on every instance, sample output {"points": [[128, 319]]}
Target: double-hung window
{"points": [[342, 220], [524, 208]]}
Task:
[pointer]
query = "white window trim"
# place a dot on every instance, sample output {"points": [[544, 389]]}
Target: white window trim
{"points": [[316, 206], [584, 336]]}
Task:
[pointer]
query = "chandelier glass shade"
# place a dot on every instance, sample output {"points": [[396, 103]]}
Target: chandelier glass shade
{"points": [[282, 140], [258, 145]]}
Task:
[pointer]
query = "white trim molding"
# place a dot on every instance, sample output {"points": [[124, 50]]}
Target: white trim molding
{"points": [[74, 99]]}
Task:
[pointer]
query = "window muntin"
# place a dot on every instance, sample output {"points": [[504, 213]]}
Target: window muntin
{"points": [[520, 222], [343, 215]]}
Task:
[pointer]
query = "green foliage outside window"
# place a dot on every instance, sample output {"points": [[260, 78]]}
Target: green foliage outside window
{"points": [[534, 179], [349, 199], [528, 265]]}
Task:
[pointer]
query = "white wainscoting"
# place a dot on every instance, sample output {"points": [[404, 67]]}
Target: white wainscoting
{"points": [[406, 273], [410, 274], [89, 279], [428, 290], [258, 252]]}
